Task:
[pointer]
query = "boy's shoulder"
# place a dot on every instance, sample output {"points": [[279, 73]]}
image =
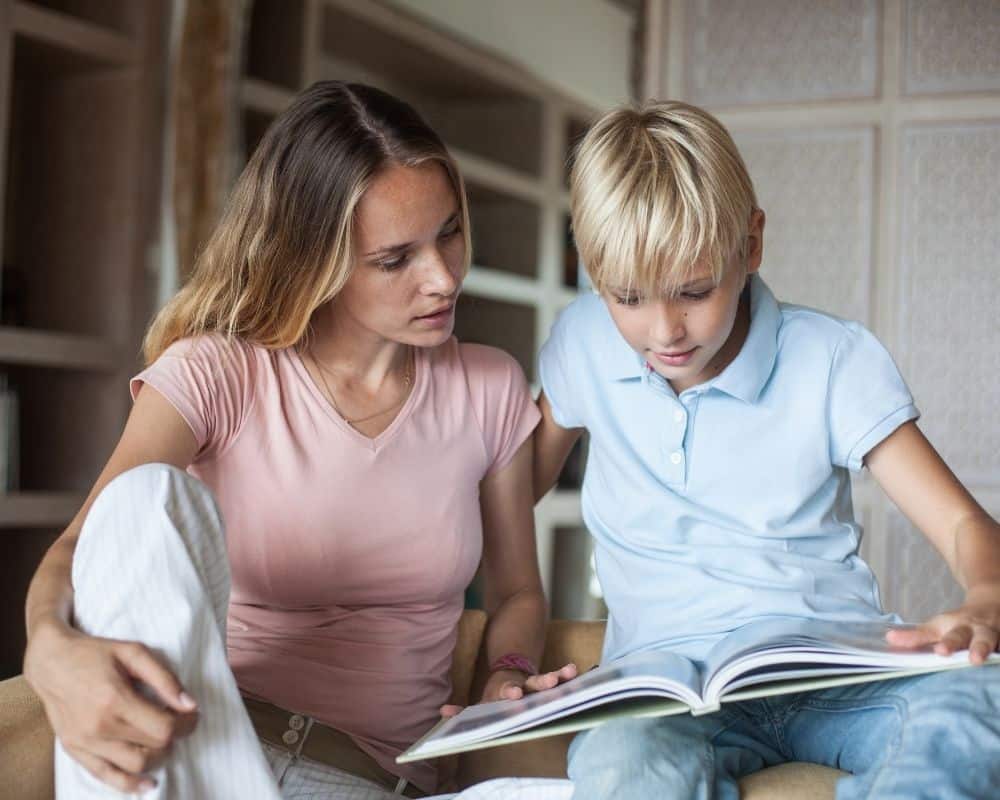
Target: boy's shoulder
{"points": [[811, 328]]}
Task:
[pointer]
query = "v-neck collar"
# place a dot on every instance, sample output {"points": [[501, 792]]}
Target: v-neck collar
{"points": [[373, 443]]}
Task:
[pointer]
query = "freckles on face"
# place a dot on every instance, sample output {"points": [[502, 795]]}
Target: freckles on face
{"points": [[410, 253]]}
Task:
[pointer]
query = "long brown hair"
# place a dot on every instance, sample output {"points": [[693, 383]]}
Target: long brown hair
{"points": [[285, 243]]}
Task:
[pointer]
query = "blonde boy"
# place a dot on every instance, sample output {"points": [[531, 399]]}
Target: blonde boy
{"points": [[724, 426]]}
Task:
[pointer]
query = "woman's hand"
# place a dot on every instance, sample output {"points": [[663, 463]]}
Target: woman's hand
{"points": [[89, 687], [513, 685], [975, 625]]}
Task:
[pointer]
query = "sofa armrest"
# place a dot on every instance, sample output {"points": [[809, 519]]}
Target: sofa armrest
{"points": [[26, 743]]}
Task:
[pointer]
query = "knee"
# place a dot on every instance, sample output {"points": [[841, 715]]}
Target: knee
{"points": [[626, 757]]}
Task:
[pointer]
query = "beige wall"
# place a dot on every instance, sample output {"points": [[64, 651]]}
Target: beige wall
{"points": [[872, 132], [583, 47]]}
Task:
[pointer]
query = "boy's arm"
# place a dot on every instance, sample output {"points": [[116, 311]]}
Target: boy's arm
{"points": [[918, 481], [552, 446]]}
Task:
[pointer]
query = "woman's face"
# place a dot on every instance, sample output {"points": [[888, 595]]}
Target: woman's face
{"points": [[410, 257]]}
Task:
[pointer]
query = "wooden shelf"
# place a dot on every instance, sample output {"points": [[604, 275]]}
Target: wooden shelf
{"points": [[39, 509], [72, 35], [492, 175], [47, 349], [268, 98]]}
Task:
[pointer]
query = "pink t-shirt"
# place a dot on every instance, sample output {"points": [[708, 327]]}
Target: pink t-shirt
{"points": [[350, 556]]}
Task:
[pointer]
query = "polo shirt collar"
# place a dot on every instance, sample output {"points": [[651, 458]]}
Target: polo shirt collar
{"points": [[748, 373], [744, 378]]}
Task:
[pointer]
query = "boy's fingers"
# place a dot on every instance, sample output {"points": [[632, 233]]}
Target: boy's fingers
{"points": [[913, 637], [142, 665], [984, 642], [956, 638], [449, 710]]}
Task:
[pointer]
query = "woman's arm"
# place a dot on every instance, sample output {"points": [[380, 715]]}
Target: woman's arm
{"points": [[552, 446], [514, 597], [86, 683], [918, 481]]}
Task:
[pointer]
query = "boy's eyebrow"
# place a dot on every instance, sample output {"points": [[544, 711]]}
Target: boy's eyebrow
{"points": [[395, 248], [685, 287]]}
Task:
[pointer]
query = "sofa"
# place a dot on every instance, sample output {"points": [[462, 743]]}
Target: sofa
{"points": [[26, 738]]}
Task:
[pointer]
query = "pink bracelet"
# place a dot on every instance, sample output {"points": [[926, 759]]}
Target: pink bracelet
{"points": [[514, 661]]}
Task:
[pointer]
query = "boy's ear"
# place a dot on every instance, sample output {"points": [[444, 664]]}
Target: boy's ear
{"points": [[755, 241]]}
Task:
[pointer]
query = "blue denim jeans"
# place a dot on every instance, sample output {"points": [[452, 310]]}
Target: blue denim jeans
{"points": [[931, 736]]}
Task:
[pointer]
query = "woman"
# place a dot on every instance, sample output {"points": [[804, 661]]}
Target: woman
{"points": [[362, 461]]}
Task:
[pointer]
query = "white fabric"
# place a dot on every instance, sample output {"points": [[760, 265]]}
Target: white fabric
{"points": [[151, 566]]}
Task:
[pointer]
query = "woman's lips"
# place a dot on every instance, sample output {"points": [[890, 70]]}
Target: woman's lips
{"points": [[439, 318]]}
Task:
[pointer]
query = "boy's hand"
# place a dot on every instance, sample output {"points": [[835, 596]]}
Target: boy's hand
{"points": [[513, 685], [974, 625]]}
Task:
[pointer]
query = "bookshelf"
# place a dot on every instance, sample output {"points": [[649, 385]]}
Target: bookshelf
{"points": [[510, 133], [79, 87]]}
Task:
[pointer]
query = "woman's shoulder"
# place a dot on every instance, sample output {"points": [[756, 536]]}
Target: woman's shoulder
{"points": [[215, 356], [476, 366]]}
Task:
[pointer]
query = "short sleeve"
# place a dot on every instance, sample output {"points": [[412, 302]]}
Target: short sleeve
{"points": [[209, 380], [868, 398], [502, 400], [554, 368]]}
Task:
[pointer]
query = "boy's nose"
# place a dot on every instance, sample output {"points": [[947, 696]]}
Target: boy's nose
{"points": [[668, 325]]}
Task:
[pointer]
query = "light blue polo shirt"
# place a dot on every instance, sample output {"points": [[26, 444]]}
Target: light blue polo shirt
{"points": [[731, 502]]}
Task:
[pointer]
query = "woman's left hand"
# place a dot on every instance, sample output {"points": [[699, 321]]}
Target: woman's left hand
{"points": [[513, 685]]}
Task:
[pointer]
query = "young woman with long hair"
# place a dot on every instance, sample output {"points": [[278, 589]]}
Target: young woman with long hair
{"points": [[270, 569]]}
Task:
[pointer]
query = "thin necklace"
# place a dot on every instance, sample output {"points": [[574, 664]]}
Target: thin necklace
{"points": [[407, 380]]}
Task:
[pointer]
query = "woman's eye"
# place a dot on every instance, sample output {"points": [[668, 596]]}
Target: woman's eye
{"points": [[452, 231], [390, 264]]}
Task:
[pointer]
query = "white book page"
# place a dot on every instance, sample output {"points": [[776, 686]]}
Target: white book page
{"points": [[644, 674], [767, 651]]}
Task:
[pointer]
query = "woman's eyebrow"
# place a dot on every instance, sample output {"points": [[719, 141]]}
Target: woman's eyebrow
{"points": [[395, 248]]}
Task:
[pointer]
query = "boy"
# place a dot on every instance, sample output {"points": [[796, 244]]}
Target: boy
{"points": [[723, 428]]}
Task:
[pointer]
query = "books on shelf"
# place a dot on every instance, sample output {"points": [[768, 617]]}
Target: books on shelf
{"points": [[757, 660]]}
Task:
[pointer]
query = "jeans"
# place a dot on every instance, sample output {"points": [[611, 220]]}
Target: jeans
{"points": [[933, 736]]}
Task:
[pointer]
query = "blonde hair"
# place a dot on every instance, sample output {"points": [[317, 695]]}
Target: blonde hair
{"points": [[656, 191], [285, 243]]}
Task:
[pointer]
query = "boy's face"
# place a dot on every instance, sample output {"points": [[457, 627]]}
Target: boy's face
{"points": [[693, 337]]}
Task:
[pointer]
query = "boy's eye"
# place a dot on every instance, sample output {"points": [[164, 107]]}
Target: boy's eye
{"points": [[696, 295], [627, 299]]}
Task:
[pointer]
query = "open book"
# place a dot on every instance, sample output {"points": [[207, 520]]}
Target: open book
{"points": [[756, 660]]}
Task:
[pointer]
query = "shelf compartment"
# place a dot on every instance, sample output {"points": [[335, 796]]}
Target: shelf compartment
{"points": [[71, 282], [575, 593], [471, 110], [508, 326], [23, 548], [264, 97], [275, 42], [78, 42], [39, 509], [68, 423], [504, 231], [47, 349]]}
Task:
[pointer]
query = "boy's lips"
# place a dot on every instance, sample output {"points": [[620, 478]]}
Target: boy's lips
{"points": [[675, 359]]}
